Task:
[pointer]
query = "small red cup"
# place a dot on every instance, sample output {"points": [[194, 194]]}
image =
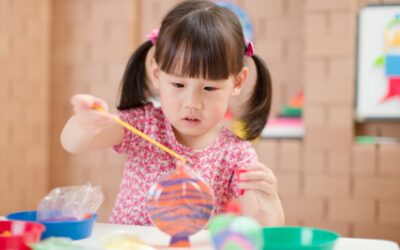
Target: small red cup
{"points": [[21, 234]]}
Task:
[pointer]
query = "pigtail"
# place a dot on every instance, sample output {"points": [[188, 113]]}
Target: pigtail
{"points": [[134, 89], [258, 106]]}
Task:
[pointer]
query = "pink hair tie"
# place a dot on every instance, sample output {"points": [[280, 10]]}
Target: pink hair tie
{"points": [[249, 48], [153, 35]]}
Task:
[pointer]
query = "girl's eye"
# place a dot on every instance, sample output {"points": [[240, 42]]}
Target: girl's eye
{"points": [[178, 85], [210, 88]]}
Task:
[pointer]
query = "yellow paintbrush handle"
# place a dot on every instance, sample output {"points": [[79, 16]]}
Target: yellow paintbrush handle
{"points": [[140, 133]]}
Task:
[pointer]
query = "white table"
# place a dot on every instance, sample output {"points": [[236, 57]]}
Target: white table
{"points": [[200, 241]]}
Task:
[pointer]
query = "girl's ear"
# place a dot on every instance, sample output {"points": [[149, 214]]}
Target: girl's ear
{"points": [[155, 73], [239, 81]]}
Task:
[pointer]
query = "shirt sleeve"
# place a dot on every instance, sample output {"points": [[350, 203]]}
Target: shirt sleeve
{"points": [[138, 118], [246, 159]]}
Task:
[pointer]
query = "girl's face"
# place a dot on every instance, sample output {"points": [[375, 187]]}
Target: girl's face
{"points": [[195, 106]]}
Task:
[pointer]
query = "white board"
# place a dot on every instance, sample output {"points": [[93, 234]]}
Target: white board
{"points": [[372, 81]]}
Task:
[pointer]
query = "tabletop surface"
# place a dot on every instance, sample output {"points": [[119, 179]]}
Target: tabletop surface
{"points": [[152, 236]]}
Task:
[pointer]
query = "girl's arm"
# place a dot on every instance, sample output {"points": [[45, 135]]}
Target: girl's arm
{"points": [[260, 199], [89, 129]]}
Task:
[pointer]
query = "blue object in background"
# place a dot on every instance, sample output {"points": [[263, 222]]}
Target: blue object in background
{"points": [[74, 230], [392, 65], [243, 18]]}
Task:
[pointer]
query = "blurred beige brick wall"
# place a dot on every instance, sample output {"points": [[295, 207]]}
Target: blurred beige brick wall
{"points": [[327, 180], [278, 38], [24, 103], [92, 41]]}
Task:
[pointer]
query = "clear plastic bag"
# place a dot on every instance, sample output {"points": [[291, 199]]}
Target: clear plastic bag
{"points": [[70, 203]]}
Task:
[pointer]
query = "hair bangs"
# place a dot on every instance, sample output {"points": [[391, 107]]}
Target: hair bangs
{"points": [[195, 51]]}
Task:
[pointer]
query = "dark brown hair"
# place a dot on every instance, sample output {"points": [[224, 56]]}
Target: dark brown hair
{"points": [[200, 39]]}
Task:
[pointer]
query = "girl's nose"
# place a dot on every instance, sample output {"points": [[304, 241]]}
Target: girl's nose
{"points": [[193, 101]]}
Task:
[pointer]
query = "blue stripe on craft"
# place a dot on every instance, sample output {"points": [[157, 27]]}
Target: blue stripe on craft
{"points": [[172, 182], [178, 193], [206, 206], [185, 216], [176, 198], [165, 216], [183, 196], [191, 227], [185, 233], [177, 239], [195, 191], [210, 207], [172, 210], [165, 212]]}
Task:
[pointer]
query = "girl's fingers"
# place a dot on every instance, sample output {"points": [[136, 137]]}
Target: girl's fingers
{"points": [[85, 102], [101, 103], [259, 166], [258, 175], [82, 101], [261, 186], [94, 119], [90, 119]]}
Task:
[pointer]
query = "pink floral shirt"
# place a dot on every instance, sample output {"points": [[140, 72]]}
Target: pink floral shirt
{"points": [[145, 163]]}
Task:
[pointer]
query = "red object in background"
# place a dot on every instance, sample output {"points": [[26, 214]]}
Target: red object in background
{"points": [[228, 115], [237, 173], [87, 216], [297, 101], [233, 207], [393, 89], [28, 232]]}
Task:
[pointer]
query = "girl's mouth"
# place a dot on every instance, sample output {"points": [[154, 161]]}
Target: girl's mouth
{"points": [[191, 121]]}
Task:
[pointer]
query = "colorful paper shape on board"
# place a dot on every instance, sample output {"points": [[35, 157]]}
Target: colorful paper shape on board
{"points": [[180, 205], [393, 88], [392, 65], [294, 108]]}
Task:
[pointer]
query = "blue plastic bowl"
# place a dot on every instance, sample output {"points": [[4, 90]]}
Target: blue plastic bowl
{"points": [[74, 230]]}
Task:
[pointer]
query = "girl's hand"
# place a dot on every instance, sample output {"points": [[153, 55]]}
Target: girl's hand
{"points": [[259, 178], [90, 120], [260, 198]]}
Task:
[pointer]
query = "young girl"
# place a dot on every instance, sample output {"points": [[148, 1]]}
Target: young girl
{"points": [[197, 67]]}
